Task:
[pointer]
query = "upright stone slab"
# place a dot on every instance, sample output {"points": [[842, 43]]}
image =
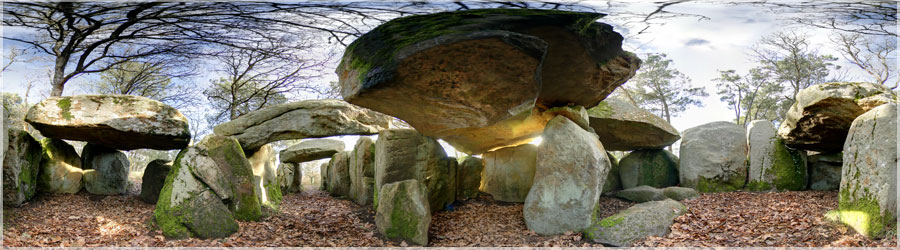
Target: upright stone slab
{"points": [[226, 170], [773, 166], [265, 177], [714, 157], [310, 150], [622, 126], [339, 175], [21, 163], [868, 194], [153, 180], [403, 211], [403, 154], [509, 172], [469, 178], [652, 167], [105, 170], [613, 182], [123, 122], [824, 170], [323, 176], [637, 222], [362, 171], [60, 168], [289, 177], [569, 174]]}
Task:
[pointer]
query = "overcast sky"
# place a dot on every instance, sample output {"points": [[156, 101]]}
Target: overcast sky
{"points": [[698, 48]]}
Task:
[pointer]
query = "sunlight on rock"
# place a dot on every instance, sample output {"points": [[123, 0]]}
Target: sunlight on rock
{"points": [[536, 141], [857, 220]]}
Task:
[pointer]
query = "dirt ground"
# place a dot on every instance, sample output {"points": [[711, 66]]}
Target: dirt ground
{"points": [[313, 218]]}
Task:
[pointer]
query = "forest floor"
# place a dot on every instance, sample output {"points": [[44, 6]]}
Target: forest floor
{"points": [[313, 218]]}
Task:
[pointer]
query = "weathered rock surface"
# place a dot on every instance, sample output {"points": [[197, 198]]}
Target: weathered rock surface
{"points": [[60, 168], [468, 178], [868, 193], [403, 211], [713, 157], [680, 193], [323, 175], [637, 222], [773, 166], [21, 163], [117, 121], [509, 172], [310, 150], [339, 175], [569, 174], [153, 180], [403, 154], [302, 119], [641, 194], [613, 182], [105, 170], [653, 167], [825, 171], [265, 177], [622, 126], [524, 56], [221, 165], [290, 177], [821, 116], [362, 171]]}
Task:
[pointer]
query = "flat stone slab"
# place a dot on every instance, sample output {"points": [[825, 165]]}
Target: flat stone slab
{"points": [[622, 126], [311, 150]]}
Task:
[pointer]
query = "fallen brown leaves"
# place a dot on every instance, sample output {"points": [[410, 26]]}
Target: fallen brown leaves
{"points": [[762, 220]]}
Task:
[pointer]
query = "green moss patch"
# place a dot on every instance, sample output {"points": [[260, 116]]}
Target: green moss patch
{"points": [[65, 104], [863, 214]]}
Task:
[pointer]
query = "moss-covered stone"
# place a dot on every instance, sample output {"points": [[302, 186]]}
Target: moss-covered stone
{"points": [[637, 222], [21, 163], [403, 211], [655, 167], [236, 175], [60, 170]]}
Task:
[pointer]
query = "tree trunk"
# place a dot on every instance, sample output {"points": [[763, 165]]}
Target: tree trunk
{"points": [[58, 82]]}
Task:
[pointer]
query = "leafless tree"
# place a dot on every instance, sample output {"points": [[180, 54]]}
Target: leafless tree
{"points": [[861, 17], [877, 57]]}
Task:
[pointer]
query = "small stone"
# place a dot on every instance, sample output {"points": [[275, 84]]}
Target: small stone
{"points": [[637, 222], [642, 194]]}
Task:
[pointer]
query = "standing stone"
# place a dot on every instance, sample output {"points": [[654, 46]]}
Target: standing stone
{"points": [[21, 163], [868, 194], [772, 164], [60, 168], [821, 116], [339, 175], [153, 180], [265, 178], [105, 170], [289, 177], [569, 174], [123, 122], [637, 222], [403, 154], [653, 167], [613, 182], [509, 172], [362, 171], [403, 211], [226, 170], [323, 176], [714, 157], [469, 178], [622, 126], [824, 170], [310, 150]]}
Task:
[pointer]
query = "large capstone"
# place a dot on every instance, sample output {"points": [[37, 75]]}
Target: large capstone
{"points": [[821, 116], [105, 170], [473, 77], [868, 193], [713, 157], [302, 119], [310, 150], [404, 154], [153, 180], [362, 171], [21, 162], [468, 178], [652, 167], [403, 211], [116, 121], [824, 170], [635, 223], [570, 169], [60, 170], [509, 172], [622, 126], [773, 166], [265, 177]]}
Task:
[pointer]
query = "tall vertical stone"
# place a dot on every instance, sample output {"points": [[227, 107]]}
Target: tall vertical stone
{"points": [[469, 178], [714, 157], [362, 171], [773, 166], [21, 163], [403, 154], [60, 168], [106, 170], [339, 174], [265, 177], [509, 172]]}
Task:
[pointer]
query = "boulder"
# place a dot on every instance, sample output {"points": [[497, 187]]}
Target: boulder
{"points": [[21, 163], [773, 166], [403, 154], [468, 178], [868, 192], [310, 150], [509, 172], [713, 157], [123, 122], [569, 173], [105, 170], [223, 167], [652, 167], [635, 223], [612, 183], [290, 177], [642, 194], [302, 119], [339, 175], [403, 211], [622, 126], [475, 76], [265, 177], [60, 170], [680, 193], [821, 116], [362, 171], [824, 170], [153, 180], [189, 208]]}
